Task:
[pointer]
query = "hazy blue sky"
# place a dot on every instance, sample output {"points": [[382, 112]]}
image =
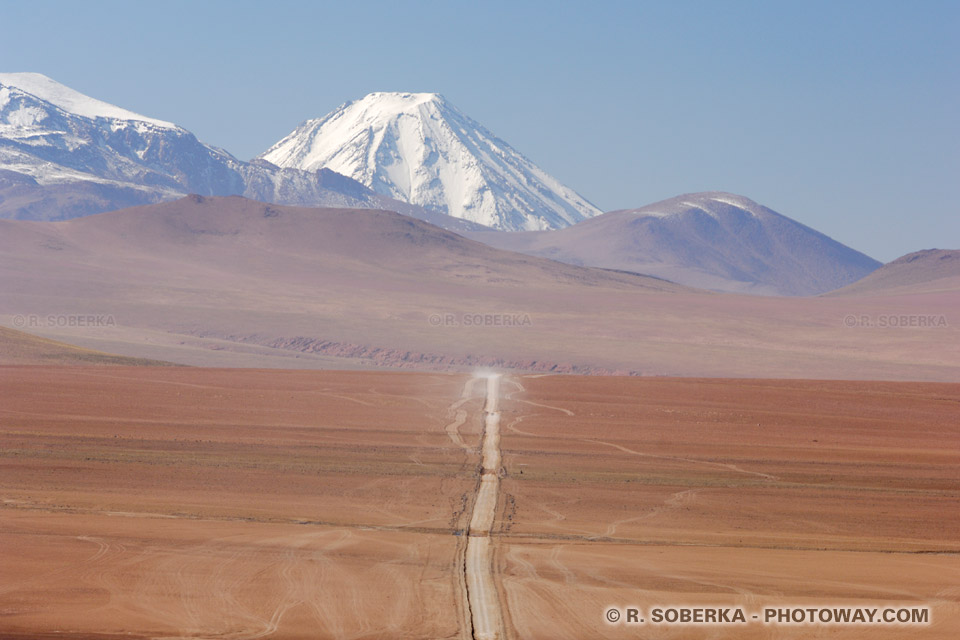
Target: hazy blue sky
{"points": [[842, 115]]}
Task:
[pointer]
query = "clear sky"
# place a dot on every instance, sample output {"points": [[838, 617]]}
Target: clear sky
{"points": [[842, 115]]}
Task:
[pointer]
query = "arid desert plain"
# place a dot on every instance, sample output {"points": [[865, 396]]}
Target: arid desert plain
{"points": [[161, 502], [381, 320]]}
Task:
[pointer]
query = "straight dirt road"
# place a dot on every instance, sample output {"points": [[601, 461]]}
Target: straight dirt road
{"points": [[482, 598]]}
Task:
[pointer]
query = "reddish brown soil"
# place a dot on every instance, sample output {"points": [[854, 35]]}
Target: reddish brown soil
{"points": [[746, 493], [234, 503], [175, 502]]}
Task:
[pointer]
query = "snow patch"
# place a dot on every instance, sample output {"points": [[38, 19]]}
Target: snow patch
{"points": [[738, 203], [72, 101], [26, 116]]}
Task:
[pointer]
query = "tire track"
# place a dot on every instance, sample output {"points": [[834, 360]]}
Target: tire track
{"points": [[460, 415], [715, 465]]}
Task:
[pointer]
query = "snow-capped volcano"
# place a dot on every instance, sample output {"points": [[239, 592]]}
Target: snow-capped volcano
{"points": [[419, 148], [64, 154]]}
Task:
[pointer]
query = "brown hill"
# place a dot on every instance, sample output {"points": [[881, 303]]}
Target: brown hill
{"points": [[229, 281], [922, 271], [712, 240]]}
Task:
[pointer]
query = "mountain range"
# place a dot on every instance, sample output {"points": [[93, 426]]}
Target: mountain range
{"points": [[64, 154], [226, 281]]}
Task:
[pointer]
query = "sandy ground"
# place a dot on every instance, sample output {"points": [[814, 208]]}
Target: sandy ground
{"points": [[143, 502], [229, 503], [663, 493]]}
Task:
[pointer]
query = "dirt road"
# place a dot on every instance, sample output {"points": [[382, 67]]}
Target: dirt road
{"points": [[482, 598]]}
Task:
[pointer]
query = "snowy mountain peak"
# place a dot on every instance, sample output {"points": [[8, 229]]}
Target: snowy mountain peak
{"points": [[399, 97], [375, 107], [67, 99], [419, 148], [712, 203]]}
